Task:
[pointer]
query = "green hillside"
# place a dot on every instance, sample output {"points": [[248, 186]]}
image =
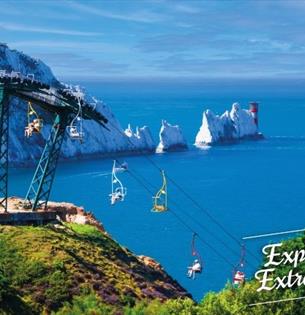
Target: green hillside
{"points": [[78, 270], [42, 267]]}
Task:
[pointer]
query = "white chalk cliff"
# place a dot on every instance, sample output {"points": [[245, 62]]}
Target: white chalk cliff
{"points": [[171, 138], [141, 139], [236, 124], [97, 139]]}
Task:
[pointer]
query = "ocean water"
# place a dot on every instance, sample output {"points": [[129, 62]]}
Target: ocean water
{"points": [[250, 188]]}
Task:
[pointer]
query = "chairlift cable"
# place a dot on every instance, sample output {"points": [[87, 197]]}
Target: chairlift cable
{"points": [[188, 227], [201, 208], [187, 195], [197, 204], [194, 249], [132, 173], [177, 206], [202, 241]]}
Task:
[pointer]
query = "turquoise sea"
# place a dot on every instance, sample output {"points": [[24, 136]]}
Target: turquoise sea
{"points": [[249, 187]]}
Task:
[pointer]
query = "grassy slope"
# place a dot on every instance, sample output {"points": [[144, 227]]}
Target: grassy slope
{"points": [[45, 266], [229, 301], [40, 268]]}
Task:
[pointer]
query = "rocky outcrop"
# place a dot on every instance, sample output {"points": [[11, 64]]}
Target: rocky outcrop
{"points": [[230, 126], [150, 262], [98, 141], [141, 140], [66, 212], [171, 138]]}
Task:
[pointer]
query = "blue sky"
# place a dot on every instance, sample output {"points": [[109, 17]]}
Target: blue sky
{"points": [[160, 38]]}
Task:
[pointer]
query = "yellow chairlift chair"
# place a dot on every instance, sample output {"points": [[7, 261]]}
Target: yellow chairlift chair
{"points": [[160, 199], [35, 123]]}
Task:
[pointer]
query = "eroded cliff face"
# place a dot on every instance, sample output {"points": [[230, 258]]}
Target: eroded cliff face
{"points": [[98, 141], [171, 138], [232, 125], [48, 265]]}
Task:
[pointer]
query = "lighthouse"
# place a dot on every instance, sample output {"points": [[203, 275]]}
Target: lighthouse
{"points": [[253, 109]]}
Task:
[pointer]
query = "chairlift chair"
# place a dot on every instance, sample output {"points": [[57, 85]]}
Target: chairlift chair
{"points": [[35, 123], [160, 199], [15, 77], [75, 133], [76, 129], [196, 266], [238, 273], [15, 74], [238, 279], [118, 191], [121, 168], [31, 76]]}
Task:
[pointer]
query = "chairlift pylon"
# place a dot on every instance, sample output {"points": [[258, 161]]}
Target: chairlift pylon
{"points": [[118, 191], [238, 272], [160, 199], [35, 123], [75, 129], [196, 267]]}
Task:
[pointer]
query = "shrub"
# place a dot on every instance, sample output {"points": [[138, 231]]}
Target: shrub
{"points": [[85, 305]]}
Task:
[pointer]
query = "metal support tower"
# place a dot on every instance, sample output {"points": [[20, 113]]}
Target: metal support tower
{"points": [[40, 188], [4, 129], [66, 103]]}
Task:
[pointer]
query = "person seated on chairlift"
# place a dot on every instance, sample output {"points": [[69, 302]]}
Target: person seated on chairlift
{"points": [[73, 132], [28, 131], [122, 168], [116, 196], [195, 268], [37, 124], [239, 279], [159, 207]]}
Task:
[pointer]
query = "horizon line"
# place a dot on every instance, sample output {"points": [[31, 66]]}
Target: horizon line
{"points": [[172, 78]]}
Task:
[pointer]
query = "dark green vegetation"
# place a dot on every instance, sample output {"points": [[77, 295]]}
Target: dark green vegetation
{"points": [[227, 302], [43, 267], [79, 270]]}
